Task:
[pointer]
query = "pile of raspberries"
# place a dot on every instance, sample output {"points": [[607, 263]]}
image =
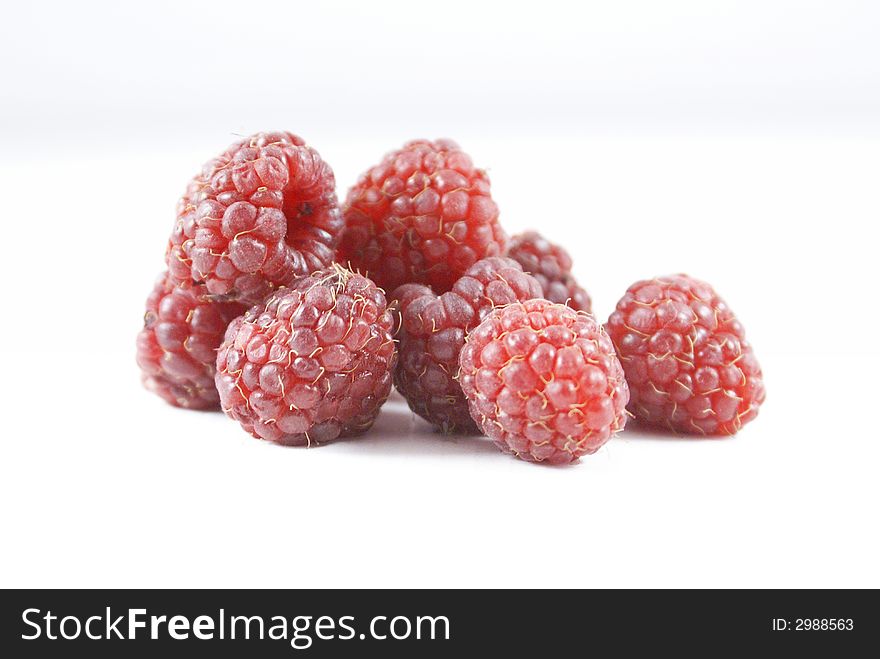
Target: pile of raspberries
{"points": [[296, 315]]}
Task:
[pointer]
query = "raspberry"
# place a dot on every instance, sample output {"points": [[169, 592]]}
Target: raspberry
{"points": [[433, 330], [424, 215], [551, 265], [311, 364], [177, 348], [259, 215], [686, 359], [542, 381]]}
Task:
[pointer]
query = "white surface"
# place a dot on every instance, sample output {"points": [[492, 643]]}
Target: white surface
{"points": [[748, 131]]}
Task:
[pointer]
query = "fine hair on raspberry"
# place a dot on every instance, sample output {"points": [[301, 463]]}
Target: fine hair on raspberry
{"points": [[423, 215], [312, 363], [177, 347], [259, 215], [689, 366], [433, 330], [543, 381], [551, 265]]}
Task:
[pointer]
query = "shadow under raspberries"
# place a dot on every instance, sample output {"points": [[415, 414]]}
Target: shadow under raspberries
{"points": [[638, 430], [399, 431]]}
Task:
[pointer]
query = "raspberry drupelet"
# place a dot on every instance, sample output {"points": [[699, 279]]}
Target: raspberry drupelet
{"points": [[256, 217], [177, 348], [432, 333], [543, 382], [551, 265], [423, 215], [312, 363], [687, 361]]}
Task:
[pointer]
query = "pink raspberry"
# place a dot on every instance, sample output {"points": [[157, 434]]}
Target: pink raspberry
{"points": [[542, 381], [177, 347], [256, 217], [423, 215], [312, 363], [687, 361], [433, 330], [551, 265]]}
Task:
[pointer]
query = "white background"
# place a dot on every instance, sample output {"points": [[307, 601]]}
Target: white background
{"points": [[736, 141]]}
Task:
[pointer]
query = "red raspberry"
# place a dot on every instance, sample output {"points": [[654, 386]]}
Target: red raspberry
{"points": [[259, 215], [312, 363], [686, 359], [551, 265], [177, 348], [542, 380], [424, 215], [433, 330]]}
